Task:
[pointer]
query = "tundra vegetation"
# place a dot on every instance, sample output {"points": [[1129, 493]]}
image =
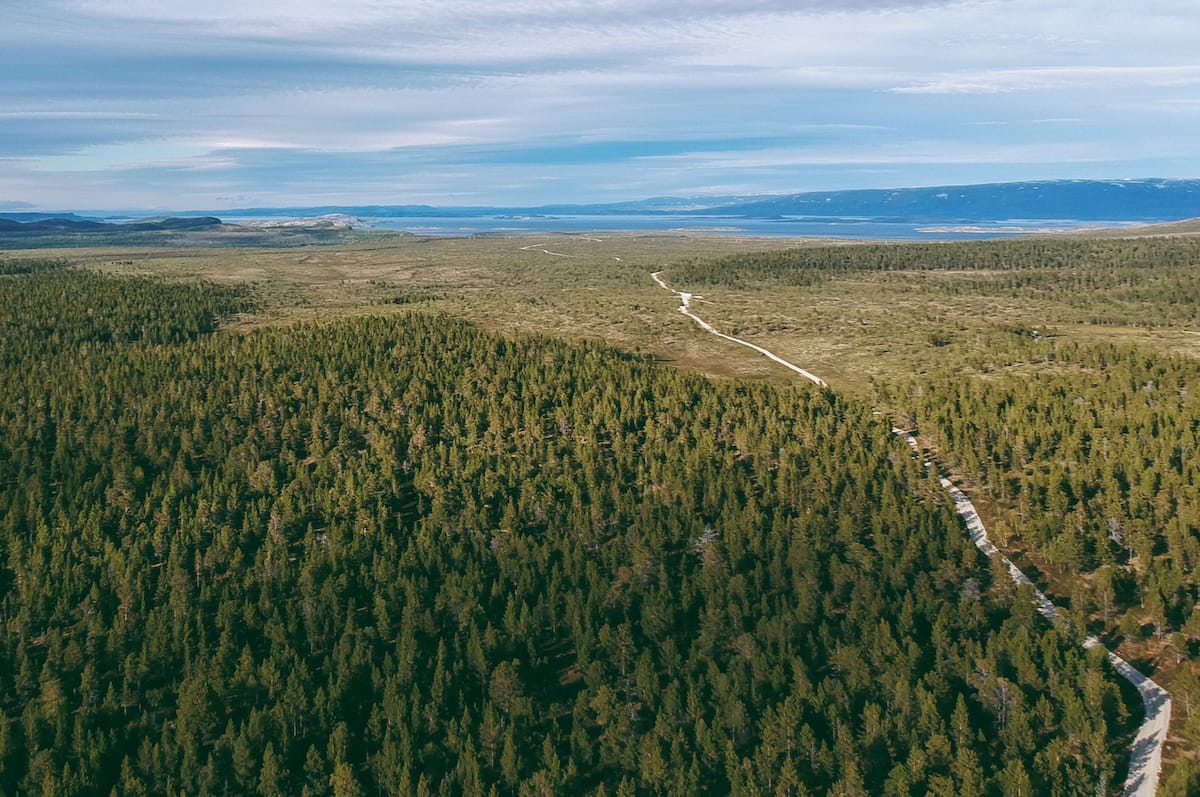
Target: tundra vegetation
{"points": [[435, 517]]}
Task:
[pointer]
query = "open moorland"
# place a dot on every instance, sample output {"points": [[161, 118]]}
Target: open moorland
{"points": [[604, 568]]}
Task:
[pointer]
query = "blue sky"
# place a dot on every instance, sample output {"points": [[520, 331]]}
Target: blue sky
{"points": [[164, 104]]}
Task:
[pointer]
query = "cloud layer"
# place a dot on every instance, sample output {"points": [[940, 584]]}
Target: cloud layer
{"points": [[181, 105]]}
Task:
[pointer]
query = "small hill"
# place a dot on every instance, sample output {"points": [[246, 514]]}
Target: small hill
{"points": [[45, 226], [58, 225], [172, 223], [176, 231]]}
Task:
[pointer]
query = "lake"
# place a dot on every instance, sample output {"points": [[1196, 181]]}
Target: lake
{"points": [[783, 227]]}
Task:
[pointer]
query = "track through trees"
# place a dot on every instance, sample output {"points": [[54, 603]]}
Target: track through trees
{"points": [[1146, 752]]}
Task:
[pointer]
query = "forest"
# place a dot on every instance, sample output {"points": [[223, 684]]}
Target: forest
{"points": [[1083, 447], [1100, 257], [397, 554]]}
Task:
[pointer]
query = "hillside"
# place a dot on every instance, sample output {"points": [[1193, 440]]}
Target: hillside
{"points": [[399, 555]]}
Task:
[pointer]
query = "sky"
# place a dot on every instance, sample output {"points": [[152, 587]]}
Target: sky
{"points": [[172, 105]]}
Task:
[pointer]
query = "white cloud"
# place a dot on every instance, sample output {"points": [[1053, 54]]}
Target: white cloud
{"points": [[122, 156], [109, 87], [1047, 78], [927, 152]]}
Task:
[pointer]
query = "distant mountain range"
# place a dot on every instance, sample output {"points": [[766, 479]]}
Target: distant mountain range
{"points": [[1145, 200], [1089, 200], [1142, 200], [662, 205]]}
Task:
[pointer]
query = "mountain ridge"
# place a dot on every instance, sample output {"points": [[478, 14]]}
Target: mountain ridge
{"points": [[1139, 200], [1147, 199], [1143, 200]]}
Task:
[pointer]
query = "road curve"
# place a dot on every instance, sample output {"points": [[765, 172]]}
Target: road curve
{"points": [[685, 300], [540, 248], [1145, 761]]}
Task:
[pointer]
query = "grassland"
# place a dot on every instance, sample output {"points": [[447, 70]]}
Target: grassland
{"points": [[598, 288], [863, 332]]}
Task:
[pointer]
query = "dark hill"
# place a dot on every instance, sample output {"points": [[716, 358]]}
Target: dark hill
{"points": [[39, 216], [173, 223], [59, 225], [52, 225]]}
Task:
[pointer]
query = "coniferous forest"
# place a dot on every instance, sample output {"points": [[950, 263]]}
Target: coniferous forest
{"points": [[1083, 446], [399, 555]]}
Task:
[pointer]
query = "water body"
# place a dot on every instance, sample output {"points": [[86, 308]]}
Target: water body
{"points": [[783, 227]]}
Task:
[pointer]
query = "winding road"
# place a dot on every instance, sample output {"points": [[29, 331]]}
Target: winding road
{"points": [[539, 248], [685, 308], [1145, 762]]}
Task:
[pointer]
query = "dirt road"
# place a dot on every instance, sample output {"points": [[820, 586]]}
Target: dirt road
{"points": [[1145, 762]]}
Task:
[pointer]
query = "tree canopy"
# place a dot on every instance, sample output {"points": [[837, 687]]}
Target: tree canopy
{"points": [[400, 555]]}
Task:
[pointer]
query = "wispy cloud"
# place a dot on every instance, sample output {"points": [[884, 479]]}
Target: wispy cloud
{"points": [[1048, 78], [172, 102], [75, 115]]}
